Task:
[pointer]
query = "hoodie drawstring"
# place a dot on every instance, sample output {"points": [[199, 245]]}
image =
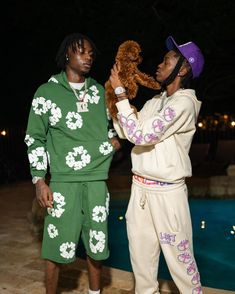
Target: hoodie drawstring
{"points": [[143, 201]]}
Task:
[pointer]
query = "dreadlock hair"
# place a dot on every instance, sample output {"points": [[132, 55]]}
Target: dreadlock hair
{"points": [[73, 41], [185, 80]]}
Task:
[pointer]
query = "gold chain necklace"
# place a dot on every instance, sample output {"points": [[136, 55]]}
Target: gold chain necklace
{"points": [[82, 106]]}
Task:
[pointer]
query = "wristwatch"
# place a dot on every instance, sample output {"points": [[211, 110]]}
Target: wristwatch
{"points": [[35, 179], [119, 90]]}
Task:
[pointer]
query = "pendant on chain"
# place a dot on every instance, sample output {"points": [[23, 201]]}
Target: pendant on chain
{"points": [[82, 106]]}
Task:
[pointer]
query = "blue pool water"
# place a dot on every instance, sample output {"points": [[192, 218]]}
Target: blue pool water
{"points": [[214, 245]]}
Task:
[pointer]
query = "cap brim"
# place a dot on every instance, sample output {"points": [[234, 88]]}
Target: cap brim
{"points": [[171, 44]]}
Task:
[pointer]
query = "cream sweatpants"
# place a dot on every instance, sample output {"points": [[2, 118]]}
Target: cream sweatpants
{"points": [[158, 218]]}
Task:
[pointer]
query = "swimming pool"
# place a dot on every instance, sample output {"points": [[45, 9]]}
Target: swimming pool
{"points": [[214, 241]]}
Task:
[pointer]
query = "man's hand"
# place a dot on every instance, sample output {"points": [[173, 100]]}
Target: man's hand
{"points": [[43, 194]]}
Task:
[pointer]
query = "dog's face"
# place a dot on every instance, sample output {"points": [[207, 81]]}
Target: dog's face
{"points": [[129, 51]]}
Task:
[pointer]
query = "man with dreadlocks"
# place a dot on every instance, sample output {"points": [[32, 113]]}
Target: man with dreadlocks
{"points": [[67, 133], [158, 216]]}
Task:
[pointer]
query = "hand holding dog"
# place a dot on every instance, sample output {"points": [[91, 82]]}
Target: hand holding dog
{"points": [[114, 78]]}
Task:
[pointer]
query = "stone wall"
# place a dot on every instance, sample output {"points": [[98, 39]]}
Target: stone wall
{"points": [[220, 187]]}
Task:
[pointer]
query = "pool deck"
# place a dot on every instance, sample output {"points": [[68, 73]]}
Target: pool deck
{"points": [[22, 270]]}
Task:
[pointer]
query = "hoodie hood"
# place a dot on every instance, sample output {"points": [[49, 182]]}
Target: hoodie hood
{"points": [[192, 95], [61, 79]]}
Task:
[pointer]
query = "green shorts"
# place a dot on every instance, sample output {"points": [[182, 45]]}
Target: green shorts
{"points": [[79, 209]]}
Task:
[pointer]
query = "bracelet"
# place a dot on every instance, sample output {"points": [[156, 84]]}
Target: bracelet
{"points": [[122, 97]]}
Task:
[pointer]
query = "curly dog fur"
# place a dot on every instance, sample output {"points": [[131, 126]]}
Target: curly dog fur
{"points": [[128, 57]]}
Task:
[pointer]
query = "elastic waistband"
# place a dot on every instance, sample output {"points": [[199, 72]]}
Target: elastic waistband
{"points": [[150, 182]]}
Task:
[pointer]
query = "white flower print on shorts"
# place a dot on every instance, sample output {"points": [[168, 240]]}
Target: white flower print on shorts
{"points": [[97, 241], [67, 250], [59, 202], [107, 202], [99, 214], [52, 231]]}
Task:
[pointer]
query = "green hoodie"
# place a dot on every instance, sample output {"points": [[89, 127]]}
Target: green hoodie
{"points": [[73, 145]]}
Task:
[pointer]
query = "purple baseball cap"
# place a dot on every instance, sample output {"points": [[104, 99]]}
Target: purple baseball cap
{"points": [[191, 52]]}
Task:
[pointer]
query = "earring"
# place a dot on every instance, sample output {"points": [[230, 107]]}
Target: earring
{"points": [[67, 58]]}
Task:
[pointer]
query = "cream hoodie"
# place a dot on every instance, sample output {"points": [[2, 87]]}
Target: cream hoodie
{"points": [[162, 133]]}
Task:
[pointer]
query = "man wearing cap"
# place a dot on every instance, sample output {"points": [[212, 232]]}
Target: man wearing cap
{"points": [[158, 216]]}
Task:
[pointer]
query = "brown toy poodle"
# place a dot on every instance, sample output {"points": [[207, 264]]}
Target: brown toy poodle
{"points": [[128, 57]]}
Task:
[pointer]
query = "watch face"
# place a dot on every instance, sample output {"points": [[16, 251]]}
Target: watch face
{"points": [[119, 90]]}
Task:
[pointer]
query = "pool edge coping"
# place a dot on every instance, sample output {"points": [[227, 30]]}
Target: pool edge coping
{"points": [[125, 280]]}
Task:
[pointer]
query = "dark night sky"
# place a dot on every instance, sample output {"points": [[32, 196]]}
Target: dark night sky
{"points": [[31, 32]]}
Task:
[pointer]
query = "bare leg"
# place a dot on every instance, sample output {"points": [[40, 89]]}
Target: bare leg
{"points": [[94, 273], [52, 275]]}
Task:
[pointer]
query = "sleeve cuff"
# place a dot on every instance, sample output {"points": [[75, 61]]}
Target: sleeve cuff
{"points": [[35, 179], [123, 105]]}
